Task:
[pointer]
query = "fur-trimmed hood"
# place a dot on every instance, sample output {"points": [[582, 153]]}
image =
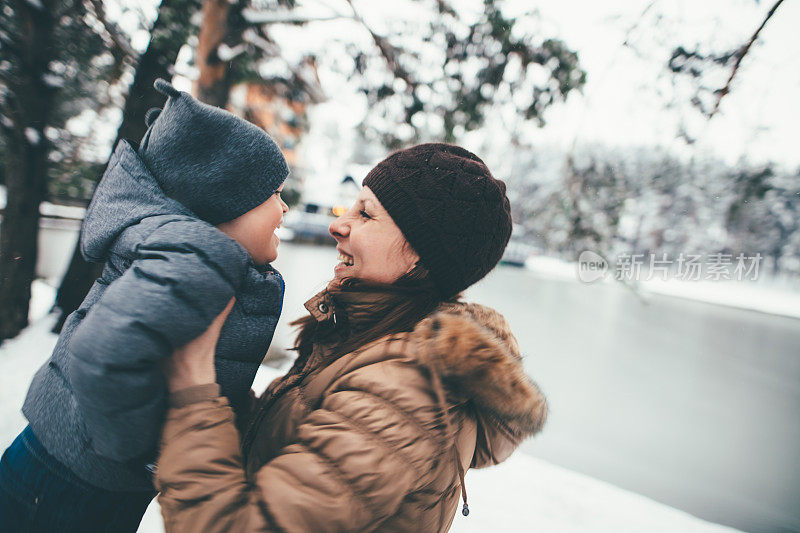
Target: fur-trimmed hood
{"points": [[473, 350]]}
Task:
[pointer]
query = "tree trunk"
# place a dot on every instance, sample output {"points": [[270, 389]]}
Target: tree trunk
{"points": [[169, 34], [211, 86], [29, 109], [222, 23]]}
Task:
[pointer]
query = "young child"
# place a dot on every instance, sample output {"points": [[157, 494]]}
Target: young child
{"points": [[183, 224]]}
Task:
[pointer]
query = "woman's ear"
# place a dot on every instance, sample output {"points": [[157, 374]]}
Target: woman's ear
{"points": [[410, 255]]}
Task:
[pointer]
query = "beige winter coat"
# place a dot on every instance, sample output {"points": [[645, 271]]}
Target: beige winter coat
{"points": [[369, 441]]}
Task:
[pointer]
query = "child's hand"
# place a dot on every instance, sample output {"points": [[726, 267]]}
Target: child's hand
{"points": [[193, 364]]}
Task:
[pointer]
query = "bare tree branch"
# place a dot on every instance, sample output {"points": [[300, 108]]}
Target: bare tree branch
{"points": [[251, 37], [445, 8], [739, 56], [389, 52], [261, 41], [254, 16], [113, 30], [626, 41], [122, 46]]}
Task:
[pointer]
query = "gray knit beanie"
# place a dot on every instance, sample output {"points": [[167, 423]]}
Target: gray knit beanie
{"points": [[213, 162]]}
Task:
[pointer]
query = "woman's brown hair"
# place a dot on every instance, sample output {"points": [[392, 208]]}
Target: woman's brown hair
{"points": [[365, 311]]}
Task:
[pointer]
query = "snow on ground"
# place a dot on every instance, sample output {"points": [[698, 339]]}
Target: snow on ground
{"points": [[522, 494], [766, 296], [21, 357], [774, 300]]}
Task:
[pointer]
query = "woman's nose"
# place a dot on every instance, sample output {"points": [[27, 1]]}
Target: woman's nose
{"points": [[338, 228]]}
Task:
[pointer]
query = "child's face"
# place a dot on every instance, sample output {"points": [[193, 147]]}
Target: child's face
{"points": [[255, 230]]}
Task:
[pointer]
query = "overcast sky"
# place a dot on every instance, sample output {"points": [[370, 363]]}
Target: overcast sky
{"points": [[621, 102]]}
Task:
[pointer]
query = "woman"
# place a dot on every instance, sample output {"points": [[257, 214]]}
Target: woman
{"points": [[398, 387]]}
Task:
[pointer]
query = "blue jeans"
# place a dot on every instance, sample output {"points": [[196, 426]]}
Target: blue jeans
{"points": [[39, 494]]}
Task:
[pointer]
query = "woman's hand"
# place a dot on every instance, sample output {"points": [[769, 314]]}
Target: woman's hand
{"points": [[193, 364]]}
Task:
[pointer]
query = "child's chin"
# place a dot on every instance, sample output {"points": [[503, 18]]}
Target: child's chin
{"points": [[270, 258], [263, 260]]}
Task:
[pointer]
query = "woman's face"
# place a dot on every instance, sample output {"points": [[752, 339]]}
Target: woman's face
{"points": [[255, 230], [371, 247]]}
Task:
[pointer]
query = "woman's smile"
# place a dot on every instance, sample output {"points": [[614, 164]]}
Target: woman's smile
{"points": [[346, 262], [368, 233], [346, 259]]}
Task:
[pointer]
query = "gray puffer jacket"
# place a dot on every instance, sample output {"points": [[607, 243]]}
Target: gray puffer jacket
{"points": [[98, 404]]}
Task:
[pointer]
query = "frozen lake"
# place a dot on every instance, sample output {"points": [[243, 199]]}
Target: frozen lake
{"points": [[691, 404]]}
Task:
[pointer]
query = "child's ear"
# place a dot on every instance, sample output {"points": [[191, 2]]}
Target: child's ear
{"points": [[151, 116]]}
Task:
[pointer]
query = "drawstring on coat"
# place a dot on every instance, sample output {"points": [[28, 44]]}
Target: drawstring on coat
{"points": [[465, 508]]}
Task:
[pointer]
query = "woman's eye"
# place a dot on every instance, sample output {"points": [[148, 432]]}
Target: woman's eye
{"points": [[364, 214]]}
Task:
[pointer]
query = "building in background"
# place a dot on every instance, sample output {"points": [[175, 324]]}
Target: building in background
{"points": [[280, 105]]}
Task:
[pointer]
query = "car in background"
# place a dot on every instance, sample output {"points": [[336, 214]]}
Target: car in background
{"points": [[309, 223], [517, 253]]}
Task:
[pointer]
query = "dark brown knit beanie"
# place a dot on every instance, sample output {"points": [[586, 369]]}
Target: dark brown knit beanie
{"points": [[450, 208]]}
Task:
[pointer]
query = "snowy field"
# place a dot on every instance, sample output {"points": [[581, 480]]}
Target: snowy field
{"points": [[523, 494], [769, 296]]}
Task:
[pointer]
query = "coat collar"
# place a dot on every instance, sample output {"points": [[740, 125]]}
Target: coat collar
{"points": [[471, 347], [320, 306], [359, 309]]}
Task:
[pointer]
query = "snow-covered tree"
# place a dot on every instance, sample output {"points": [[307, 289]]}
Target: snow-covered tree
{"points": [[47, 50], [60, 61]]}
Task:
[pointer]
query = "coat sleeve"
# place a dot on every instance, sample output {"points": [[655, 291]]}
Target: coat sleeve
{"points": [[183, 276], [373, 440]]}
